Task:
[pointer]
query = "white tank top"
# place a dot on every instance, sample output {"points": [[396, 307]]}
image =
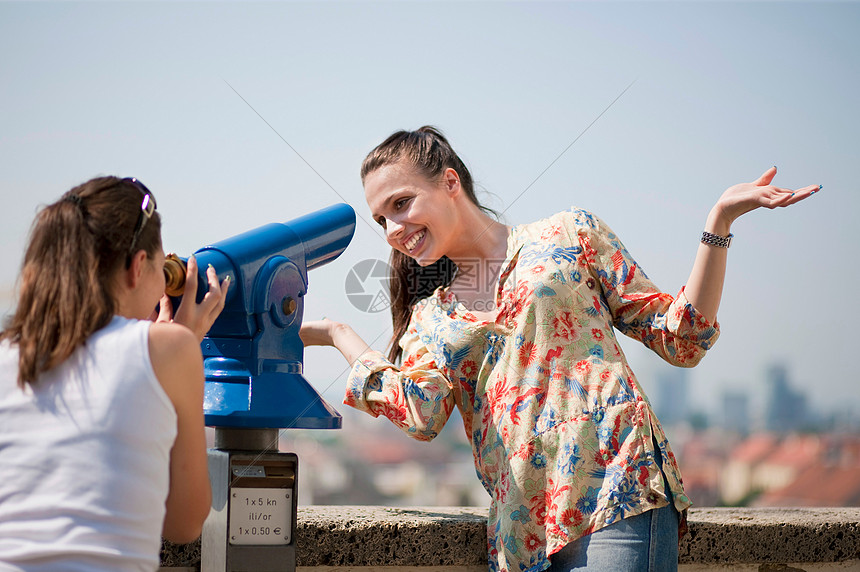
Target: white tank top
{"points": [[84, 458]]}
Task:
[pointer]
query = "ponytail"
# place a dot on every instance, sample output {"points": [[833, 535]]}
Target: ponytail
{"points": [[76, 247], [410, 282]]}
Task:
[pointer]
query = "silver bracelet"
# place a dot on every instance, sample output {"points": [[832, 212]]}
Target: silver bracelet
{"points": [[717, 240]]}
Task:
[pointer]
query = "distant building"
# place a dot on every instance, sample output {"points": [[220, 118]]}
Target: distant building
{"points": [[736, 478], [736, 412], [701, 458], [791, 457], [831, 479], [671, 396], [817, 486], [786, 410]]}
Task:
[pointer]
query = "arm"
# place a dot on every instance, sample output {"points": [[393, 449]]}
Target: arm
{"points": [[417, 397], [669, 326], [174, 348], [178, 365], [705, 284]]}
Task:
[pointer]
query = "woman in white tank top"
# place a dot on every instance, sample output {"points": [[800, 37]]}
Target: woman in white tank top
{"points": [[102, 447]]}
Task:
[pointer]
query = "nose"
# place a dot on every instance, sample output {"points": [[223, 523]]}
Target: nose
{"points": [[393, 229]]}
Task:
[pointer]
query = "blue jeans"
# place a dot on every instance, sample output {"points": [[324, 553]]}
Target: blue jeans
{"points": [[645, 542]]}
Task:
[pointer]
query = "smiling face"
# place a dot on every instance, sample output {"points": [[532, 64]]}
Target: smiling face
{"points": [[418, 215]]}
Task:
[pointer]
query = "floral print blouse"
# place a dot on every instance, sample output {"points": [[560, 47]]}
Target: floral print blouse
{"points": [[562, 434]]}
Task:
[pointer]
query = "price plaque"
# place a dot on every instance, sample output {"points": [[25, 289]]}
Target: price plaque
{"points": [[260, 516]]}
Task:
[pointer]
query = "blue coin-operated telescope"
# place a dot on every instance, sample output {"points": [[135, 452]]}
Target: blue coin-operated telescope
{"points": [[255, 384], [253, 353]]}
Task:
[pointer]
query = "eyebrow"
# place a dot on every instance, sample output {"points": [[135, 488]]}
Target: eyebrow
{"points": [[376, 215]]}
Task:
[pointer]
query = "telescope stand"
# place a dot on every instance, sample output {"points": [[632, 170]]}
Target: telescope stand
{"points": [[252, 522], [241, 439]]}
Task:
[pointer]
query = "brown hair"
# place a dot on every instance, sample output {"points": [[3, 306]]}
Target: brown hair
{"points": [[429, 152], [77, 245]]}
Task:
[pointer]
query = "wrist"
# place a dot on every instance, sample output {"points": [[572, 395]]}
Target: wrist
{"points": [[339, 332], [349, 343], [718, 222]]}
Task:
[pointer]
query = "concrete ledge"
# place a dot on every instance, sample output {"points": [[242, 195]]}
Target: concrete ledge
{"points": [[378, 536], [732, 535], [453, 539]]}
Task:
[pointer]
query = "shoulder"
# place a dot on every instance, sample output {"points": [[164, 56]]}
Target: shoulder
{"points": [[167, 341], [176, 360], [578, 219], [567, 224]]}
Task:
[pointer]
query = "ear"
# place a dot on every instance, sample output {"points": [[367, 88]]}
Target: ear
{"points": [[451, 180], [135, 271]]}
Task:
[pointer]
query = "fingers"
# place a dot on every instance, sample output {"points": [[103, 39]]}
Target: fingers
{"points": [[191, 276], [200, 317], [225, 285], [165, 309], [801, 194], [740, 199], [766, 177], [214, 292], [785, 197], [214, 300], [212, 278], [306, 334], [218, 291]]}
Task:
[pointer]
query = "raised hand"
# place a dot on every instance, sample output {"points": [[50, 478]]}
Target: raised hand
{"points": [[705, 286], [744, 197]]}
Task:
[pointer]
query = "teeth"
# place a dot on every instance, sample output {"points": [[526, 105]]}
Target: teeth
{"points": [[414, 240]]}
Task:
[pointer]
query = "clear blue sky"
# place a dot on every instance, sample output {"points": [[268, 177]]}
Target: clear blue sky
{"points": [[722, 91]]}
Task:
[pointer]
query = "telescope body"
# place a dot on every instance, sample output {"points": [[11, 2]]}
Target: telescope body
{"points": [[253, 356]]}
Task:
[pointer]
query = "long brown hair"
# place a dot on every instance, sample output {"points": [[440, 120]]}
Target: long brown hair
{"points": [[76, 247], [429, 152]]}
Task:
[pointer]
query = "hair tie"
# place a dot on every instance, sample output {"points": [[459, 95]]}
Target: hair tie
{"points": [[75, 199]]}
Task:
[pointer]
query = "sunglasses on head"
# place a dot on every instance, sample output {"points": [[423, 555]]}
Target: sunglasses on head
{"points": [[147, 207]]}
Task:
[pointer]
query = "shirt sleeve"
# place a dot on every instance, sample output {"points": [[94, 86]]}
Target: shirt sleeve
{"points": [[417, 397], [669, 325]]}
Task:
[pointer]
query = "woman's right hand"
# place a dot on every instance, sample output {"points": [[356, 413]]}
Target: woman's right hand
{"points": [[317, 332], [328, 333], [197, 317]]}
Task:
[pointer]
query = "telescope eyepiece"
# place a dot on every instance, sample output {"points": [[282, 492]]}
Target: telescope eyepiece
{"points": [[174, 275]]}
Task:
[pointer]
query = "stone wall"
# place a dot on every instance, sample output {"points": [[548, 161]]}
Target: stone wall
{"points": [[453, 539]]}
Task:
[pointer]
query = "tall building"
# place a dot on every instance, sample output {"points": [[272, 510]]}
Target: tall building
{"points": [[671, 396], [786, 410], [736, 412]]}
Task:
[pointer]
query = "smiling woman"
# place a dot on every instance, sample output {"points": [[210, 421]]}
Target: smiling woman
{"points": [[421, 193], [564, 440]]}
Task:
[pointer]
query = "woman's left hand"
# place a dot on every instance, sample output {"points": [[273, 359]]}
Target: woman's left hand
{"points": [[197, 317], [742, 198], [705, 286]]}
